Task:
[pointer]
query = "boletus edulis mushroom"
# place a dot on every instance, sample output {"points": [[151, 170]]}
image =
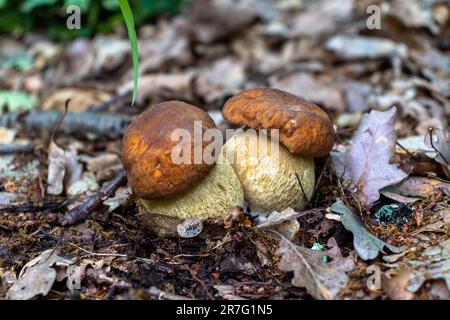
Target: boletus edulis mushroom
{"points": [[170, 191], [277, 174]]}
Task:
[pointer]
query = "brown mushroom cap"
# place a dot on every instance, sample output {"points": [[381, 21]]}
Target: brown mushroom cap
{"points": [[305, 128], [147, 150]]}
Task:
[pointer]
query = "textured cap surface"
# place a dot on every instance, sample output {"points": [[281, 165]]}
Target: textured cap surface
{"points": [[147, 150], [305, 128]]}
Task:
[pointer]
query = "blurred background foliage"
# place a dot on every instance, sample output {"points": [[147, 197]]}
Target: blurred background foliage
{"points": [[97, 15]]}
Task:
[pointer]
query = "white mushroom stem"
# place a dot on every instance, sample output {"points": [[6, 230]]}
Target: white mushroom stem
{"points": [[272, 178]]}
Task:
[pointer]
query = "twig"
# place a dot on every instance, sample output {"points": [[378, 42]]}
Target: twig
{"points": [[301, 186], [104, 105], [200, 281], [60, 239], [322, 172], [80, 212], [162, 295], [60, 121], [406, 150], [15, 148], [33, 207], [102, 125]]}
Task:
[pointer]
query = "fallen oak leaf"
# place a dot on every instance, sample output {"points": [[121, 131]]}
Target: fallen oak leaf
{"points": [[322, 280], [37, 276], [367, 246], [367, 165]]}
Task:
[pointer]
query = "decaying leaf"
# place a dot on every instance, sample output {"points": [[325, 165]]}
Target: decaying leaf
{"points": [[276, 218], [86, 184], [414, 13], [16, 101], [322, 280], [81, 99], [439, 141], [285, 222], [367, 163], [64, 170], [354, 47], [210, 20], [224, 77], [366, 245], [121, 197], [321, 17], [435, 266], [37, 276], [172, 85], [56, 169], [395, 287], [418, 187], [319, 90], [227, 292]]}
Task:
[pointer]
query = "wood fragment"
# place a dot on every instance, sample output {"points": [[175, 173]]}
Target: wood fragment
{"points": [[15, 148], [101, 125], [79, 213], [101, 107]]}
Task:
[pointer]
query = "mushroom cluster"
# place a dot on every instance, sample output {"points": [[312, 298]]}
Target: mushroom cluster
{"points": [[272, 178], [168, 192], [270, 172]]}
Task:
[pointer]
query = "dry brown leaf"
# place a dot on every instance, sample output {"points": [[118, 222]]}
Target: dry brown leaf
{"points": [[81, 99], [395, 287], [322, 280], [172, 85], [367, 164], [37, 276], [319, 90]]}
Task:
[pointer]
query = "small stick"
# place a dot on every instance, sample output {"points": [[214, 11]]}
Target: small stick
{"points": [[154, 292], [33, 207], [406, 150], [301, 186], [201, 283], [321, 175], [14, 148], [80, 212], [104, 105]]}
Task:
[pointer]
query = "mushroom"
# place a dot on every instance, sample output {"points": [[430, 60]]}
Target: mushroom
{"points": [[171, 192], [274, 179]]}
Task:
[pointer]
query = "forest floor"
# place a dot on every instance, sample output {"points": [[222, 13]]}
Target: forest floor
{"points": [[386, 238]]}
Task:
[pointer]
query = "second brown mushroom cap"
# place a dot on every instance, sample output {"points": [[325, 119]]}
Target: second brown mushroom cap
{"points": [[305, 128], [274, 179]]}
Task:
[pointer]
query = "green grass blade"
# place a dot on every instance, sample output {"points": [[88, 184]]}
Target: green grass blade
{"points": [[129, 22]]}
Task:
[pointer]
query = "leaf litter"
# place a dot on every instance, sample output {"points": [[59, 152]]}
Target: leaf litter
{"points": [[387, 91]]}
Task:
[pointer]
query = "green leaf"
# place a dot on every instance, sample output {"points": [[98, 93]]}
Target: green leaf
{"points": [[16, 101], [22, 62], [83, 4], [129, 21], [110, 5], [29, 5], [367, 246]]}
